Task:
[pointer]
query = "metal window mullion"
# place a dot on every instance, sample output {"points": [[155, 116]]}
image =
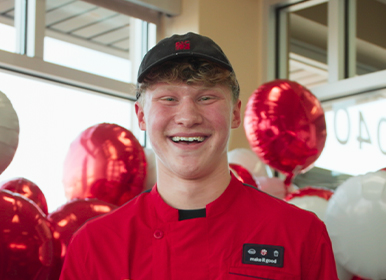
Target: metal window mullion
{"points": [[303, 4], [135, 48], [30, 27], [282, 44], [21, 25], [36, 67], [351, 38], [336, 40], [145, 39], [35, 28], [136, 51], [268, 57]]}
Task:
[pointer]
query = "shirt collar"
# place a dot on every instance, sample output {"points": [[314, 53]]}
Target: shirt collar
{"points": [[166, 213]]}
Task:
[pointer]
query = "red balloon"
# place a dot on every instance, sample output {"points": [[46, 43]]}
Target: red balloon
{"points": [[106, 162], [67, 219], [285, 126], [310, 191], [26, 243], [242, 174], [28, 189]]}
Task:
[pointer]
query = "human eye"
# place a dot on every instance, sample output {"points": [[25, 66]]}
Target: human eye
{"points": [[168, 100], [207, 99]]}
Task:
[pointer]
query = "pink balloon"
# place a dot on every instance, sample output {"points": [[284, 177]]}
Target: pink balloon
{"points": [[285, 126], [28, 189], [274, 186], [107, 162], [249, 160]]}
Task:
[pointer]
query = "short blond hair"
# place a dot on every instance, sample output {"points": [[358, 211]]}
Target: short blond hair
{"points": [[192, 71]]}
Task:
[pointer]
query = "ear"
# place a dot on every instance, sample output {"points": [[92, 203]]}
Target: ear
{"points": [[140, 115], [236, 115]]}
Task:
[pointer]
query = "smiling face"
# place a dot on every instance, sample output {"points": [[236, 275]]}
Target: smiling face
{"points": [[188, 127]]}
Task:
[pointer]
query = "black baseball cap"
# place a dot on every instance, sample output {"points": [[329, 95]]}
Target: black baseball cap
{"points": [[189, 44]]}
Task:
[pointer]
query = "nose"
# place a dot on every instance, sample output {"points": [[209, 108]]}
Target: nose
{"points": [[188, 113]]}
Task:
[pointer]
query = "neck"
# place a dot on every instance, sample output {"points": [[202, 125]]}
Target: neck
{"points": [[183, 193]]}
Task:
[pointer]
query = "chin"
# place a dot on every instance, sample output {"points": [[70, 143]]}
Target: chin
{"points": [[189, 173]]}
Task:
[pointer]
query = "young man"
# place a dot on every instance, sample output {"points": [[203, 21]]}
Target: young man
{"points": [[198, 221]]}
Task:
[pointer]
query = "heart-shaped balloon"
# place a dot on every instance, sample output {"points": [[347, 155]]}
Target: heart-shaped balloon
{"points": [[285, 126]]}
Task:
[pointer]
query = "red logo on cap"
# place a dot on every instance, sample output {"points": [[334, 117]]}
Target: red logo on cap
{"points": [[183, 45]]}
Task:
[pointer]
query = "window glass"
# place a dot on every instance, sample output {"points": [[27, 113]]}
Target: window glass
{"points": [[93, 39], [51, 116], [7, 26], [307, 39], [356, 134], [87, 60], [370, 36]]}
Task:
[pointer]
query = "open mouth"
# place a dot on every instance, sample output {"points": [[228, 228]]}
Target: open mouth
{"points": [[188, 140]]}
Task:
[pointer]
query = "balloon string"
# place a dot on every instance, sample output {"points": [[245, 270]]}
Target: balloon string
{"points": [[287, 183], [288, 180]]}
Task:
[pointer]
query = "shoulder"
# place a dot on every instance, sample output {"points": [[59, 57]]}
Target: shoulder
{"points": [[277, 209]]}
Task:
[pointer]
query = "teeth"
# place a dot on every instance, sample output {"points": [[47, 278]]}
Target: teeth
{"points": [[188, 139]]}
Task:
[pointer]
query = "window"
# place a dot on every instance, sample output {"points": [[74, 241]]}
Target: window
{"points": [[308, 45], [51, 116], [302, 44], [370, 43], [7, 27], [74, 69], [337, 50], [80, 31]]}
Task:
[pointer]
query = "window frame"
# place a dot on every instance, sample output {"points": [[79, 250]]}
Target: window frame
{"points": [[30, 33], [341, 49]]}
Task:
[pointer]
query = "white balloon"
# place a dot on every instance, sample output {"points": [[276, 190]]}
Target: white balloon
{"points": [[356, 222], [9, 132], [312, 203], [151, 168], [343, 274], [249, 160]]}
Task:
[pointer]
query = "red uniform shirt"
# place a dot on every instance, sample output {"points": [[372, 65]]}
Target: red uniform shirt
{"points": [[246, 234]]}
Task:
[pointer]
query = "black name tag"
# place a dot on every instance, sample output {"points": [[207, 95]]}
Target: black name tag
{"points": [[267, 255]]}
